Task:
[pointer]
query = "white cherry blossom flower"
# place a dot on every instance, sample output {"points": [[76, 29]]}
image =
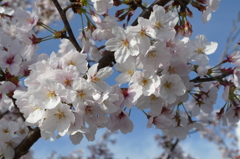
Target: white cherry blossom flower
{"points": [[96, 78], [59, 118], [104, 28], [25, 19], [75, 58], [140, 33], [7, 128], [123, 45], [10, 56], [49, 93], [154, 103], [83, 92], [147, 80], [157, 55], [120, 121], [107, 102], [162, 23], [127, 70], [171, 86], [202, 48]]}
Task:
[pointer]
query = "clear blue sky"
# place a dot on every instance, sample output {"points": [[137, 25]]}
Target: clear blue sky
{"points": [[141, 139]]}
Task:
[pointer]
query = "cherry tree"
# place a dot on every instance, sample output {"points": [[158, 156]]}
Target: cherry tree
{"points": [[162, 71]]}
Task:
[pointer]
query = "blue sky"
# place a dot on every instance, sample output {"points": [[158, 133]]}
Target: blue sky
{"points": [[141, 139]]}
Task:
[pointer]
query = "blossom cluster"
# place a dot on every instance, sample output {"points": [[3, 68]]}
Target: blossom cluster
{"points": [[64, 93], [11, 135]]}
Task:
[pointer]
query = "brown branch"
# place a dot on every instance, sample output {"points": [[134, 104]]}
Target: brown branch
{"points": [[67, 25], [27, 143], [1, 115], [106, 60], [209, 79], [15, 106]]}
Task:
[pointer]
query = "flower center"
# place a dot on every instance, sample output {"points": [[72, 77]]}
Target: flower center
{"points": [[158, 25], [59, 115], [153, 97], [144, 81], [130, 72], [94, 79], [81, 94], [5, 131], [200, 51], [168, 85], [172, 70], [71, 63], [151, 54], [67, 82], [51, 94], [125, 43], [10, 60]]}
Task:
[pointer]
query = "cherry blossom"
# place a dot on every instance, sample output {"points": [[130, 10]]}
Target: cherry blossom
{"points": [[201, 48], [161, 72], [171, 87], [162, 24], [96, 78], [123, 44], [59, 118]]}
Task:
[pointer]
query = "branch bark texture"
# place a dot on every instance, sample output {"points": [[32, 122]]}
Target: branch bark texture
{"points": [[27, 143]]}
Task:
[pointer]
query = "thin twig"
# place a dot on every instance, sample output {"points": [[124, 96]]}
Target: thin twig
{"points": [[209, 79], [6, 112], [67, 25], [172, 148], [147, 11]]}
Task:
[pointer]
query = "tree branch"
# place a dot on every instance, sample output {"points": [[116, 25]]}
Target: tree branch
{"points": [[27, 143], [172, 148], [209, 79], [67, 25], [1, 115]]}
